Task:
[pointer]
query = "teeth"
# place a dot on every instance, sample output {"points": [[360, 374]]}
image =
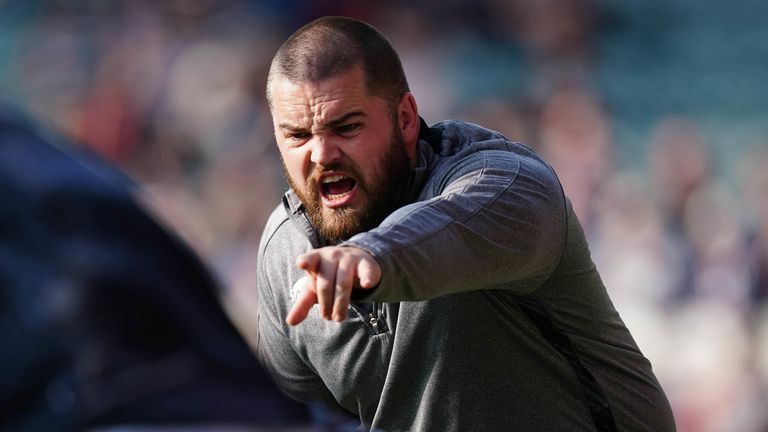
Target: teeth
{"points": [[333, 178]]}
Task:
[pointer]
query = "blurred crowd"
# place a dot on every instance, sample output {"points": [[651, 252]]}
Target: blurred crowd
{"points": [[650, 118]]}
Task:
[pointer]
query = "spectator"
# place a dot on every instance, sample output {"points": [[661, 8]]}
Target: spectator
{"points": [[107, 317]]}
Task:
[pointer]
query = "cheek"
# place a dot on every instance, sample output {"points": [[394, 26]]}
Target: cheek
{"points": [[296, 164], [372, 156]]}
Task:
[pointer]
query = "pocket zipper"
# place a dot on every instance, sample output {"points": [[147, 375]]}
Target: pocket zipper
{"points": [[371, 319]]}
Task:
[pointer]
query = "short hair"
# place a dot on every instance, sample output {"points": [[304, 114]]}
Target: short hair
{"points": [[332, 45]]}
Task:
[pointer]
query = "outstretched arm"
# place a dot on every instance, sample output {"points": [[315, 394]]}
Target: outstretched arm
{"points": [[495, 219]]}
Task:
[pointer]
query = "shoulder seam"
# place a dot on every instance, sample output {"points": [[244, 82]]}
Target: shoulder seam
{"points": [[274, 231]]}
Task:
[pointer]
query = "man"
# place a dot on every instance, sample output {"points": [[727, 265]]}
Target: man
{"points": [[107, 319], [453, 283]]}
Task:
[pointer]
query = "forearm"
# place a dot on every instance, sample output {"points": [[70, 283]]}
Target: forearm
{"points": [[496, 224]]}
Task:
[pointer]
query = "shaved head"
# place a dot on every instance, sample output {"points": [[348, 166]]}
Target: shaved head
{"points": [[331, 45]]}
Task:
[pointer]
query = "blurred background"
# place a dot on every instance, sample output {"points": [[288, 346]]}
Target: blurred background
{"points": [[654, 114]]}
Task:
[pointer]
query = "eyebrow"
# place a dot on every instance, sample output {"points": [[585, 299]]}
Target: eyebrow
{"points": [[332, 123]]}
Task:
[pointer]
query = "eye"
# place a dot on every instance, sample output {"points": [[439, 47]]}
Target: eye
{"points": [[297, 136], [347, 129]]}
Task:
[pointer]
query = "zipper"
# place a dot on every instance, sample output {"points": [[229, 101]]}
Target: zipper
{"points": [[370, 319], [373, 318]]}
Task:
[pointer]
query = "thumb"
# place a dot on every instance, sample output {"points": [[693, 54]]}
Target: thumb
{"points": [[369, 272]]}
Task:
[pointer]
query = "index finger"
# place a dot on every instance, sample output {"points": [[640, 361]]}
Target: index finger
{"points": [[303, 303]]}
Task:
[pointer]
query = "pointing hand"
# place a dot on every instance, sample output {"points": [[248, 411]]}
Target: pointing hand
{"points": [[332, 272]]}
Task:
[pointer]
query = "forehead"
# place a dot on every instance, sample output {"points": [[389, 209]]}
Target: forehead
{"points": [[301, 102]]}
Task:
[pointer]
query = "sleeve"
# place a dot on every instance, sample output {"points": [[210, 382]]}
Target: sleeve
{"points": [[496, 220], [273, 347]]}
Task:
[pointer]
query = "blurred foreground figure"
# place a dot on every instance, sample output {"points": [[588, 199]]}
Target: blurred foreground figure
{"points": [[106, 318], [430, 278]]}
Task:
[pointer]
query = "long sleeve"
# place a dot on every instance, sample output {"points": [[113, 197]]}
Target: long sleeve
{"points": [[493, 218]]}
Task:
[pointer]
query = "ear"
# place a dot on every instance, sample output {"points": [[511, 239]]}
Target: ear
{"points": [[409, 123]]}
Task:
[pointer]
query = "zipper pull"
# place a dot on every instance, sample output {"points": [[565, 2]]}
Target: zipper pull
{"points": [[374, 322]]}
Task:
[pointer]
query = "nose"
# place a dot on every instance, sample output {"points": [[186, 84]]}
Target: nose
{"points": [[324, 151]]}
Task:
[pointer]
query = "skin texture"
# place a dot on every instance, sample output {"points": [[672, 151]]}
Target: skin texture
{"points": [[335, 128]]}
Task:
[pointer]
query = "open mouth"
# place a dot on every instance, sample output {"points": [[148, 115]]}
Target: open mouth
{"points": [[337, 189]]}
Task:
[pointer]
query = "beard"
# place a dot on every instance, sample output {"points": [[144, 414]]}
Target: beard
{"points": [[382, 192]]}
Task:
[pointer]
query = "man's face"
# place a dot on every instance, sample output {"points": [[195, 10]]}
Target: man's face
{"points": [[342, 152]]}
